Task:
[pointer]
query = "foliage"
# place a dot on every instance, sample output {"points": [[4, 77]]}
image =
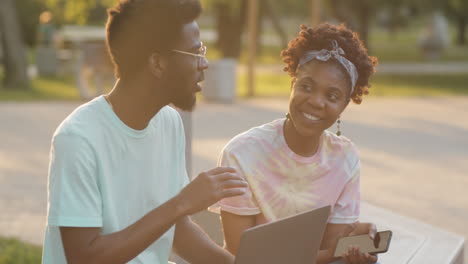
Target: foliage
{"points": [[13, 251], [456, 8], [79, 12], [451, 7], [28, 15]]}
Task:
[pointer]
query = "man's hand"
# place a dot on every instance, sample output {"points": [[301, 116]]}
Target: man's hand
{"points": [[210, 187]]}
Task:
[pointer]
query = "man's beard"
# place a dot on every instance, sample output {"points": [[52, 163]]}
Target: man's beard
{"points": [[181, 93], [184, 100]]}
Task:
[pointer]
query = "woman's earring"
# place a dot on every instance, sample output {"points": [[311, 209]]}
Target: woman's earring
{"points": [[288, 116], [338, 123]]}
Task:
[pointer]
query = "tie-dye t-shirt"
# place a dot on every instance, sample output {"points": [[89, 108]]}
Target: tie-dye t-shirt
{"points": [[282, 183]]}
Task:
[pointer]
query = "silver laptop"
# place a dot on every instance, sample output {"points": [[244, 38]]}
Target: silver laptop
{"points": [[295, 239]]}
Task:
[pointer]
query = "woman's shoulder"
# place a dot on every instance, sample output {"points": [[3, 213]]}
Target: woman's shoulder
{"points": [[259, 135], [337, 141], [339, 144]]}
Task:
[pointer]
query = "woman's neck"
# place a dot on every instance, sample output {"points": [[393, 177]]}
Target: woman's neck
{"points": [[305, 146]]}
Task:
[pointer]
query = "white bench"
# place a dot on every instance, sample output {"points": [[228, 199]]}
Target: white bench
{"points": [[414, 242]]}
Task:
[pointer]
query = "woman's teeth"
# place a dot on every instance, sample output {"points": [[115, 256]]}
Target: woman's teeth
{"points": [[311, 117]]}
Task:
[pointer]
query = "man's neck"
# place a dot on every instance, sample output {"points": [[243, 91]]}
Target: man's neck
{"points": [[136, 102]]}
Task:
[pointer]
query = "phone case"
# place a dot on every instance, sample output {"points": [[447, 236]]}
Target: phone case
{"points": [[344, 242]]}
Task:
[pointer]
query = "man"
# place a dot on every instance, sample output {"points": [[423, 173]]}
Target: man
{"points": [[118, 188]]}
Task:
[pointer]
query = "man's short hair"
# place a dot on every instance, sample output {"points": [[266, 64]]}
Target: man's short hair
{"points": [[137, 28]]}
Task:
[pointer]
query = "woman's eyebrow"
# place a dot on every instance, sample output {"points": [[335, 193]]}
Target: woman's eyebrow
{"points": [[307, 79], [335, 89]]}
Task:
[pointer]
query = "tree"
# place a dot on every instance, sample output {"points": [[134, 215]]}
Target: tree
{"points": [[230, 18], [458, 11], [355, 14], [28, 15], [14, 52], [395, 17], [230, 21], [79, 12]]}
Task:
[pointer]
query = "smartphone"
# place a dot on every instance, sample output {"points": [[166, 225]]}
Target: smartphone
{"points": [[379, 245]]}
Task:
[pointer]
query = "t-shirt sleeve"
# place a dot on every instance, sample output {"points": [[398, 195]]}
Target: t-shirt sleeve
{"points": [[347, 207], [239, 205], [183, 174], [74, 196], [183, 178]]}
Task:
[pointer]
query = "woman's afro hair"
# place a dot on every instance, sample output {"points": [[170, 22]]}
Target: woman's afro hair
{"points": [[321, 37]]}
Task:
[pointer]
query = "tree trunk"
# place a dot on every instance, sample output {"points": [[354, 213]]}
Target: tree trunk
{"points": [[461, 30], [14, 51], [364, 17], [275, 20], [230, 25], [260, 17], [355, 14]]}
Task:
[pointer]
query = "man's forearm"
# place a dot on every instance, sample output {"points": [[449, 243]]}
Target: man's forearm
{"points": [[192, 244], [124, 245]]}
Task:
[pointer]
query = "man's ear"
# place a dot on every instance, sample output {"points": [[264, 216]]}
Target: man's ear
{"points": [[157, 65]]}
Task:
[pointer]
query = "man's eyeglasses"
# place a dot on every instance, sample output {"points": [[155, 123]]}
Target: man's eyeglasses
{"points": [[201, 55]]}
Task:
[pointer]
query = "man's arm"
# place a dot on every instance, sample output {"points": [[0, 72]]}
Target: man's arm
{"points": [[87, 245], [193, 245], [233, 226]]}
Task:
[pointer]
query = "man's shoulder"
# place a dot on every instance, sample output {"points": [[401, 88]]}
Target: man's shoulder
{"points": [[170, 113], [170, 119], [84, 120]]}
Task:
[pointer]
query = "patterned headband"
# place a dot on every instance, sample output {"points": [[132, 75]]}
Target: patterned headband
{"points": [[337, 53]]}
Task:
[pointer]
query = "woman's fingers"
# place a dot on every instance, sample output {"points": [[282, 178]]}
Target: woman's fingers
{"points": [[372, 230], [355, 256]]}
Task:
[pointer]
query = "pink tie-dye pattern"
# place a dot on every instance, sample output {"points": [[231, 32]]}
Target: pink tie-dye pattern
{"points": [[282, 183]]}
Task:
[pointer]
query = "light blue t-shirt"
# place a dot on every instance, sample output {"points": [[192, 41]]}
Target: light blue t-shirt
{"points": [[105, 174]]}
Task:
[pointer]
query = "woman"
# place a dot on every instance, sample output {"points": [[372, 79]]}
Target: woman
{"points": [[294, 164]]}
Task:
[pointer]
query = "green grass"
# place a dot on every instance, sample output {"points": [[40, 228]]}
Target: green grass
{"points": [[403, 47], [53, 88], [13, 251], [269, 84]]}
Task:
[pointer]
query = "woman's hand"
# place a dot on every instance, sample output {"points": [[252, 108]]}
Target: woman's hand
{"points": [[355, 256], [364, 228]]}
